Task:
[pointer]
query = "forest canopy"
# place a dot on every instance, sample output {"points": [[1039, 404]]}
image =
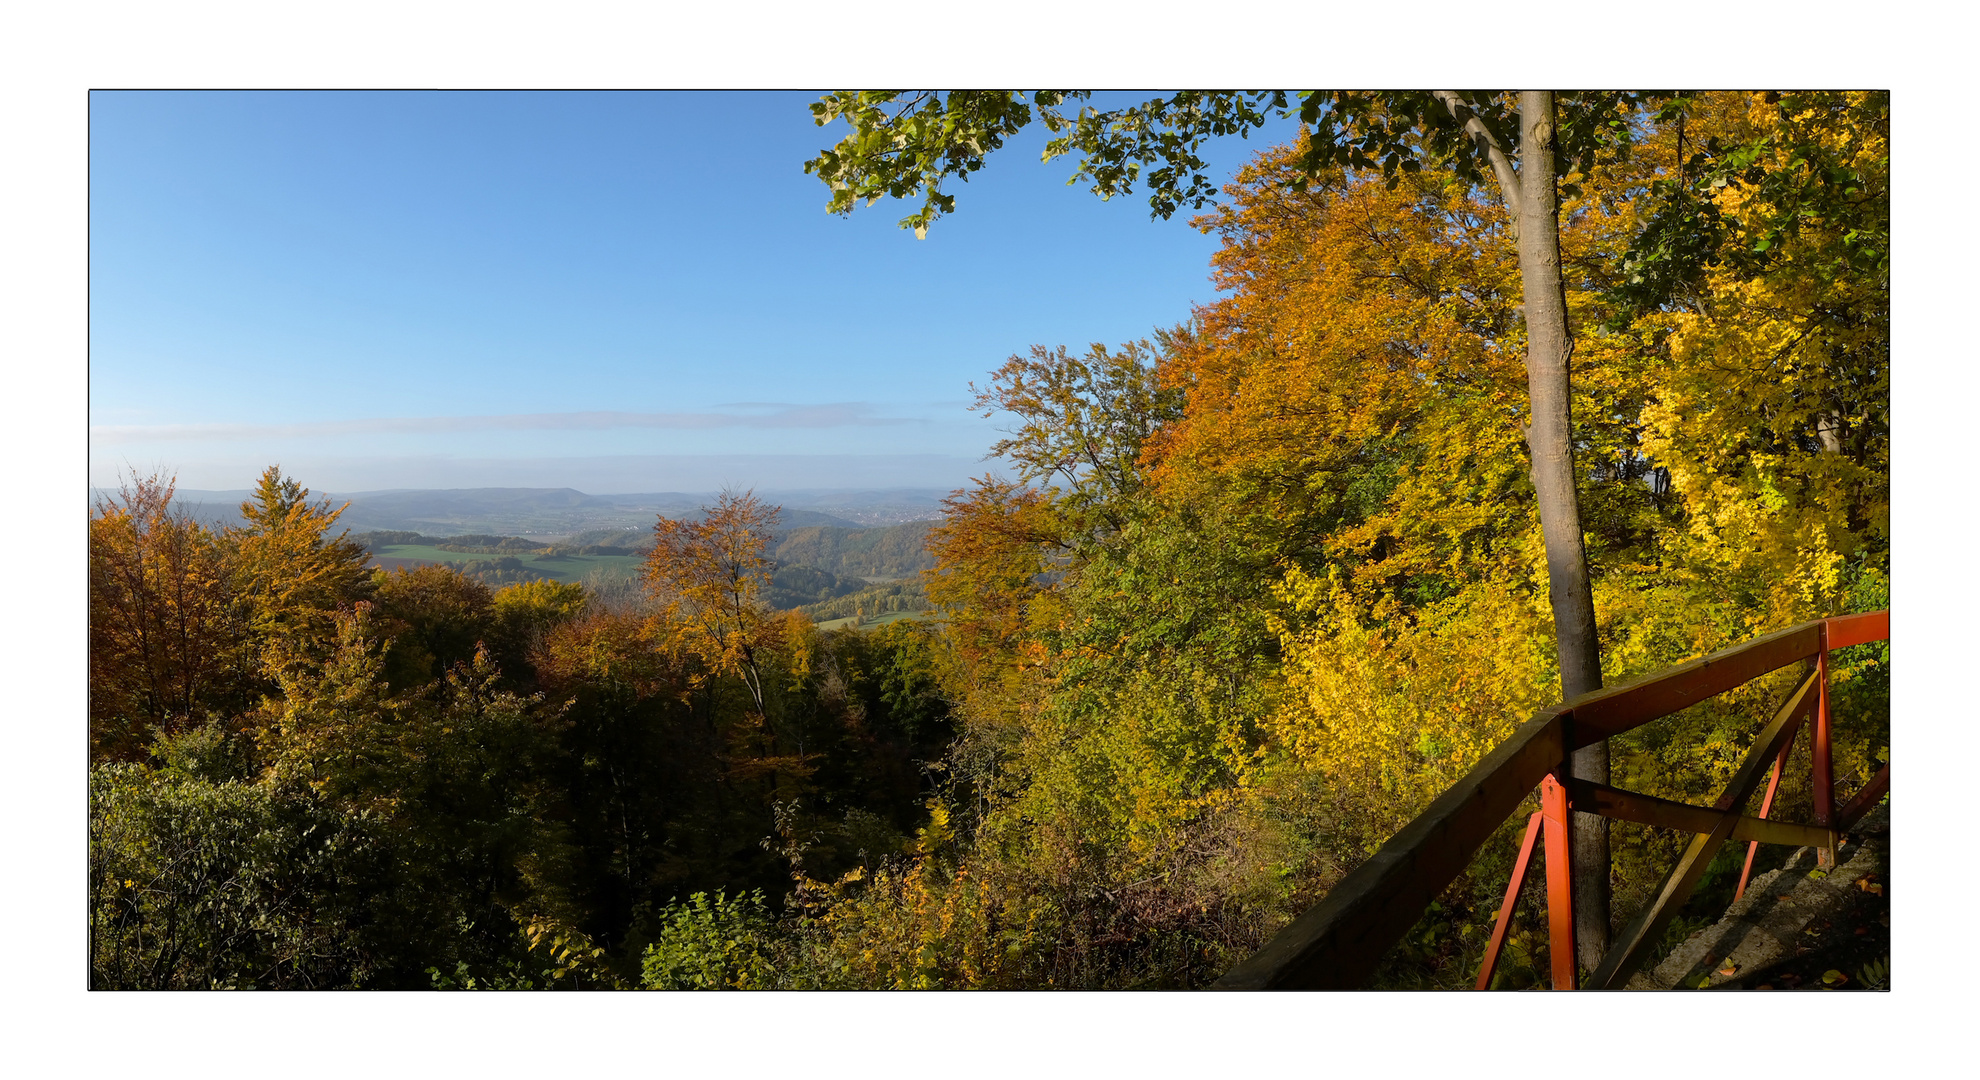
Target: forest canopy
{"points": [[1250, 593]]}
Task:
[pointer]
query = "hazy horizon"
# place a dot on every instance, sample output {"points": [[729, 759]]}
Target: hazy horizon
{"points": [[614, 292], [184, 491], [559, 511], [609, 476]]}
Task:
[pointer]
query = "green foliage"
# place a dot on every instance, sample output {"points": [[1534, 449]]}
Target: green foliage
{"points": [[895, 551], [198, 883], [1875, 975], [1791, 181], [208, 753], [460, 788], [1083, 422], [719, 943], [805, 586], [904, 145], [433, 618], [910, 685], [897, 596], [507, 570], [912, 149]]}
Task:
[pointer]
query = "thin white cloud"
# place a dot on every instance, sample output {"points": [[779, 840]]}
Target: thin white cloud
{"points": [[337, 476], [832, 415]]}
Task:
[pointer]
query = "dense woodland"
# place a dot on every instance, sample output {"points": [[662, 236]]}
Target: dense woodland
{"points": [[1254, 591]]}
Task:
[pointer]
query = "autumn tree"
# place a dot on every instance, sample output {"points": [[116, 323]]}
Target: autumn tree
{"points": [[165, 645], [431, 618], [710, 574], [291, 575], [907, 145]]}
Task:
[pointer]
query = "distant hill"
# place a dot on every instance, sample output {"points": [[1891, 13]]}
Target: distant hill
{"points": [[849, 508], [896, 551], [815, 562], [560, 512]]}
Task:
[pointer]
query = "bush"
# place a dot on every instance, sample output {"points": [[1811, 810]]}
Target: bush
{"points": [[719, 943], [197, 884]]}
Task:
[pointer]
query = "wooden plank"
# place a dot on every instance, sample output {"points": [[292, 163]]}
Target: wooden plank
{"points": [[1846, 630], [1337, 942], [1635, 941], [1664, 814], [1612, 711]]}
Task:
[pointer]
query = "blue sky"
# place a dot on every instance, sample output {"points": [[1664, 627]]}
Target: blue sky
{"points": [[613, 292]]}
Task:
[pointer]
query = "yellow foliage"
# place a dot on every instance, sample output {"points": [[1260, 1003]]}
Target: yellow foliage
{"points": [[1392, 707]]}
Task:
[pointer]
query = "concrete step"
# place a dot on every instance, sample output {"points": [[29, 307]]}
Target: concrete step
{"points": [[1781, 919]]}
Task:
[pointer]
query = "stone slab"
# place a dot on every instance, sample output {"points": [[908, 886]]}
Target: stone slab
{"points": [[1769, 923]]}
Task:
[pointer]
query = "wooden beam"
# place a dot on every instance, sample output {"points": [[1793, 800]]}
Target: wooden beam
{"points": [[1615, 710], [1847, 630], [1594, 798], [1766, 807], [1860, 805]]}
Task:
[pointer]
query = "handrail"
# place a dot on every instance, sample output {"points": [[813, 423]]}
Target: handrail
{"points": [[1338, 942]]}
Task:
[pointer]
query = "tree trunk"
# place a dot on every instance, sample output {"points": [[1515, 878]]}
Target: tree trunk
{"points": [[1549, 437]]}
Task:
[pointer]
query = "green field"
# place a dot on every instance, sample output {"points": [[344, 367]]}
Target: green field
{"points": [[570, 568], [872, 621]]}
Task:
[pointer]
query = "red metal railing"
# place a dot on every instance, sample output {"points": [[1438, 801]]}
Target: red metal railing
{"points": [[1338, 942]]}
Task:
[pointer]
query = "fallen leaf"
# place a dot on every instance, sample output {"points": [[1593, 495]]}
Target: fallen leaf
{"points": [[1729, 968], [1832, 977]]}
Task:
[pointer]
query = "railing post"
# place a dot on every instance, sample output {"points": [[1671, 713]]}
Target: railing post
{"points": [[1820, 764], [1560, 879]]}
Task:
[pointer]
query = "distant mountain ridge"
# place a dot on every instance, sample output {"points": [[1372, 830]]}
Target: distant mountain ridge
{"points": [[548, 512]]}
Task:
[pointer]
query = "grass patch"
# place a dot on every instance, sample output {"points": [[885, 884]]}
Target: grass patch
{"points": [[566, 568], [873, 621]]}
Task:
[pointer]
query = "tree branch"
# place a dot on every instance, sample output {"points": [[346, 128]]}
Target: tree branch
{"points": [[1489, 145]]}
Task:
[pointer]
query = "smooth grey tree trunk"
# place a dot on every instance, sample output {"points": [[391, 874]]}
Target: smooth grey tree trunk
{"points": [[1549, 437]]}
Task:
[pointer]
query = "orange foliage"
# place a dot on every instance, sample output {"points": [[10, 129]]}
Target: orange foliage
{"points": [[709, 574]]}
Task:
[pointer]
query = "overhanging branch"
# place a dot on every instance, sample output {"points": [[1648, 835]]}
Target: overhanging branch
{"points": [[1489, 145]]}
